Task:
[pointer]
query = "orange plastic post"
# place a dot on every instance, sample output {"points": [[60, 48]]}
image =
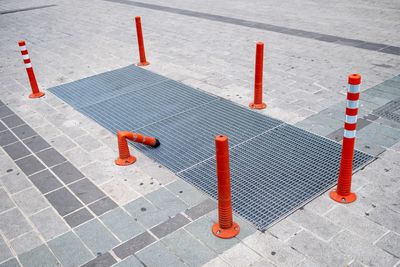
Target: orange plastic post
{"points": [[142, 54], [258, 79], [343, 192], [225, 227], [36, 93]]}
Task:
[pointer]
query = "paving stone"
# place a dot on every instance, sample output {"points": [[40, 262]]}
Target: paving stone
{"points": [[133, 245], [16, 150], [131, 261], [2, 127], [51, 157], [362, 250], [67, 172], [86, 191], [88, 142], [23, 131], [78, 217], [30, 201], [284, 229], [103, 260], [30, 165], [62, 143], [318, 250], [26, 242], [201, 209], [166, 201], [36, 143], [357, 224], [145, 212], [390, 243], [40, 256], [96, 237], [45, 181], [63, 201], [273, 249], [221, 263], [170, 225], [12, 121], [5, 111], [386, 217], [240, 255], [13, 224], [158, 255], [10, 263], [100, 173], [119, 192], [6, 138], [5, 201], [80, 158], [70, 250], [49, 223], [121, 224], [5, 252], [102, 206], [190, 250], [189, 194]]}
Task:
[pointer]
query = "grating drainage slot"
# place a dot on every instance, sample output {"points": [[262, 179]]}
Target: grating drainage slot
{"points": [[390, 111]]}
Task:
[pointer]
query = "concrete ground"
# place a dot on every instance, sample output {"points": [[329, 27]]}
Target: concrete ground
{"points": [[63, 202]]}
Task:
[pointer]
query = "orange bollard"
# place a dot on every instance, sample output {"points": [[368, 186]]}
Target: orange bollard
{"points": [[343, 192], [125, 158], [36, 93], [258, 79], [225, 227], [142, 54]]}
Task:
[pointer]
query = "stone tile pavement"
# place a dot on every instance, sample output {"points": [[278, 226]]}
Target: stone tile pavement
{"points": [[64, 203]]}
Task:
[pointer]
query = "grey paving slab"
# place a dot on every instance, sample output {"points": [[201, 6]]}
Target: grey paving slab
{"points": [[15, 182], [40, 256], [49, 223], [30, 201], [26, 242], [45, 181], [5, 201], [70, 250], [88, 142], [186, 192], [62, 143], [23, 131], [36, 143], [67, 172], [2, 127], [5, 252], [51, 157], [86, 191], [121, 224], [12, 121], [16, 150], [131, 261], [133, 245], [13, 224], [10, 263], [29, 165], [285, 229], [103, 260], [6, 138], [96, 237], [145, 212], [103, 205], [158, 254], [390, 243], [201, 209], [63, 201], [78, 217], [187, 248], [169, 226], [5, 111], [386, 217], [165, 200]]}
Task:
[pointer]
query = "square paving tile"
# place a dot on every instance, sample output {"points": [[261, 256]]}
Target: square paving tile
{"points": [[13, 121], [96, 237], [70, 250], [24, 131], [145, 212], [13, 224], [51, 157], [131, 261], [186, 192], [170, 226], [5, 252], [121, 224], [86, 191], [63, 201], [67, 172], [78, 217], [133, 245], [159, 255], [105, 259], [30, 201], [5, 201], [5, 111], [6, 138], [201, 209], [2, 127], [26, 242], [15, 182], [49, 223], [40, 256], [102, 206], [29, 165], [165, 200], [36, 143], [16, 150], [10, 263], [45, 181]]}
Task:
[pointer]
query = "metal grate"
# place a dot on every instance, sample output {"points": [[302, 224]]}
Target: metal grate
{"points": [[390, 111], [275, 167]]}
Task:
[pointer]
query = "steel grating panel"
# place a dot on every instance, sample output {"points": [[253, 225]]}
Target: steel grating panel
{"points": [[275, 167], [390, 111]]}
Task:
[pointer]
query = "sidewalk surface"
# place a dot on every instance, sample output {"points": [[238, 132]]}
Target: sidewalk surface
{"points": [[63, 201]]}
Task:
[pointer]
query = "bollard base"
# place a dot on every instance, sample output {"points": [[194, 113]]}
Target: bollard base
{"points": [[125, 162], [226, 233], [257, 106], [36, 95], [343, 199], [143, 63]]}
